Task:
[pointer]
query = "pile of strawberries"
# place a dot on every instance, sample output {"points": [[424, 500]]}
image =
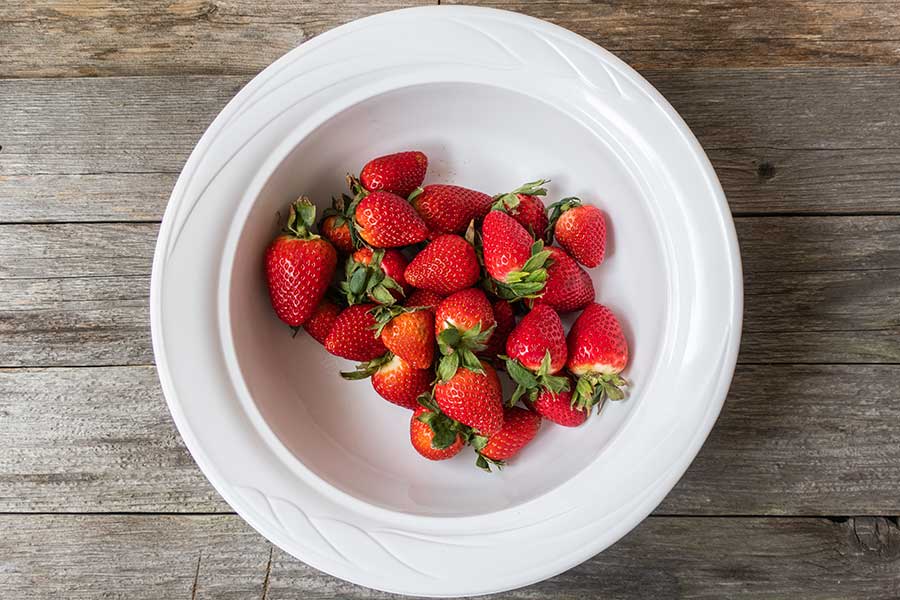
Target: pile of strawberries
{"points": [[427, 302]]}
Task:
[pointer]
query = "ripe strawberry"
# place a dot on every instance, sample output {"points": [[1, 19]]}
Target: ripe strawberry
{"points": [[506, 321], [322, 320], [446, 265], [519, 427], [423, 298], [394, 379], [557, 407], [410, 335], [433, 435], [598, 352], [299, 266], [376, 276], [524, 205], [536, 351], [450, 208], [399, 173], [569, 287], [463, 323], [336, 225], [472, 398], [580, 229], [353, 337], [512, 258], [386, 220]]}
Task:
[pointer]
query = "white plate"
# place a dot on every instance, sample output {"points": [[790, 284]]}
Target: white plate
{"points": [[323, 467]]}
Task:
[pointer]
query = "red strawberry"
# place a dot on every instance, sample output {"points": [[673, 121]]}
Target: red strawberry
{"points": [[399, 173], [557, 407], [433, 435], [386, 220], [353, 337], [423, 298], [336, 225], [463, 323], [299, 266], [322, 320], [598, 352], [524, 205], [473, 399], [536, 351], [446, 265], [506, 321], [399, 382], [375, 275], [450, 208], [580, 229], [519, 427], [410, 335], [569, 287], [512, 258]]}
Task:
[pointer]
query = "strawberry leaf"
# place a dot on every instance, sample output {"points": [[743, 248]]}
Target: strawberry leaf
{"points": [[448, 366]]}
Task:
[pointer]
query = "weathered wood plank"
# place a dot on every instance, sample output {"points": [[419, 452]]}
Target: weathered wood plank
{"points": [[792, 439], [242, 37], [142, 557], [133, 37]]}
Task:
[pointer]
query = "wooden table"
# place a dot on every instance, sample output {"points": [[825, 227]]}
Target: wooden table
{"points": [[795, 494]]}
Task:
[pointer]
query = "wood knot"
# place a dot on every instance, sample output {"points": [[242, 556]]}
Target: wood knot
{"points": [[765, 170]]}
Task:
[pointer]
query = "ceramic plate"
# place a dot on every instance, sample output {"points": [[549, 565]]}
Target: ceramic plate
{"points": [[323, 467]]}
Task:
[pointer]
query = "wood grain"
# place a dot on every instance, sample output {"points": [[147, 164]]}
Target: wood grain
{"points": [[792, 439], [137, 557], [72, 150]]}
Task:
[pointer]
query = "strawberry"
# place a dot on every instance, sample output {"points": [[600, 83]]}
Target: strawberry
{"points": [[335, 225], [580, 229], [433, 435], [299, 266], [524, 205], [353, 337], [569, 287], [598, 352], [506, 321], [446, 265], [399, 173], [386, 220], [557, 407], [519, 427], [449, 208], [463, 323], [423, 299], [394, 379], [375, 276], [512, 258], [472, 398], [410, 335], [322, 320], [535, 352]]}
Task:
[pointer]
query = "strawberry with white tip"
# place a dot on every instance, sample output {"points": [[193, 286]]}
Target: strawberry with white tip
{"points": [[598, 352]]}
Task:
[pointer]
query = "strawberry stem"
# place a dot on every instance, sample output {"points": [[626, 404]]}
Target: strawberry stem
{"points": [[301, 219]]}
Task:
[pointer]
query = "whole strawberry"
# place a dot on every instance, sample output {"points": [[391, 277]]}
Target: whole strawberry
{"points": [[472, 398], [525, 206], [399, 173], [512, 258], [519, 428], [446, 265], [450, 208], [299, 266], [463, 323], [598, 352], [568, 287], [385, 220], [580, 229], [336, 225], [353, 334], [557, 407], [433, 435], [423, 299], [536, 352], [375, 276], [506, 321], [322, 320], [394, 379], [409, 333]]}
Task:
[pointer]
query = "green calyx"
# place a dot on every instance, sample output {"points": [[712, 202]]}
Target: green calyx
{"points": [[458, 349], [593, 390], [529, 383], [555, 211], [301, 219], [344, 208], [367, 369], [510, 200], [529, 281], [364, 283], [445, 429], [478, 442]]}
